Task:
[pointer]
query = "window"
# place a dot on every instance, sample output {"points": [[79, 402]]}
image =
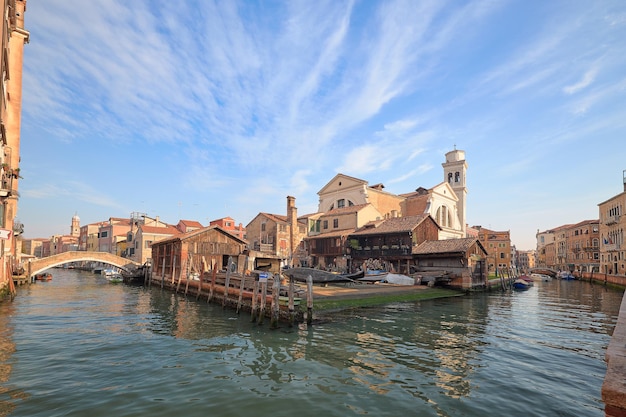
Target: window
{"points": [[457, 176], [104, 234], [450, 177], [341, 203], [147, 243], [263, 227], [325, 224], [335, 223]]}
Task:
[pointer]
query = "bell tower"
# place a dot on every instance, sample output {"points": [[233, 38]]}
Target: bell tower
{"points": [[75, 228], [454, 172]]}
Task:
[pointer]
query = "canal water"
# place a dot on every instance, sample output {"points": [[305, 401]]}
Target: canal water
{"points": [[80, 346]]}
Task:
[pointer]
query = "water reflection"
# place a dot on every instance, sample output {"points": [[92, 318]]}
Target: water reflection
{"points": [[137, 351]]}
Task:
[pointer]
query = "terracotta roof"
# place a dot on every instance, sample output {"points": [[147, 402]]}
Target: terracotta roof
{"points": [[275, 217], [393, 225], [446, 246], [191, 223], [183, 236], [421, 191], [154, 230]]}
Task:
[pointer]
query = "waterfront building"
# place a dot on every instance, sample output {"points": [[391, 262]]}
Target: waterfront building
{"points": [[460, 262], [583, 246], [140, 246], [345, 191], [14, 37], [392, 242], [525, 259], [328, 233], [543, 239], [32, 247], [612, 228], [277, 236], [112, 232], [88, 236], [185, 226], [188, 253], [228, 224], [498, 247], [550, 254]]}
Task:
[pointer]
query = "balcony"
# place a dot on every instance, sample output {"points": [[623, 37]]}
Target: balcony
{"points": [[380, 252], [264, 247]]}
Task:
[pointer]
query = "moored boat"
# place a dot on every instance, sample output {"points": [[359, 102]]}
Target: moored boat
{"points": [[520, 284], [320, 276], [44, 276], [540, 277], [115, 278]]}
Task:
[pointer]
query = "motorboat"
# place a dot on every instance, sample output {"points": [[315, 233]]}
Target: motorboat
{"points": [[540, 277], [520, 284]]}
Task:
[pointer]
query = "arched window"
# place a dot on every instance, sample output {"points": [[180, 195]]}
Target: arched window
{"points": [[442, 216]]}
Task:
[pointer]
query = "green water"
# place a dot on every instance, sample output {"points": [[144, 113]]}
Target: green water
{"points": [[80, 346]]}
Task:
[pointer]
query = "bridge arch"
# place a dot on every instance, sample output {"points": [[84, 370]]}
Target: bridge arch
{"points": [[36, 266]]}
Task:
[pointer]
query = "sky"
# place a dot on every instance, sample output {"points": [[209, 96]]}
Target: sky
{"points": [[199, 110]]}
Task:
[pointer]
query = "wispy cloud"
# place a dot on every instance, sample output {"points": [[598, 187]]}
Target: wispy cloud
{"points": [[584, 82]]}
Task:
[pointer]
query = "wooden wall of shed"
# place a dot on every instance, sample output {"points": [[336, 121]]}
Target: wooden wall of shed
{"points": [[173, 258], [427, 230]]}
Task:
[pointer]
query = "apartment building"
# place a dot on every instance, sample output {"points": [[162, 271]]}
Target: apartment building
{"points": [[14, 37], [498, 247], [611, 232]]}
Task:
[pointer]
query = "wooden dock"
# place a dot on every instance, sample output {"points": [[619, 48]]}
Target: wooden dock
{"points": [[259, 293]]}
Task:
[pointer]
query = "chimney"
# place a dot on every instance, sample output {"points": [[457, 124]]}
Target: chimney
{"points": [[292, 220]]}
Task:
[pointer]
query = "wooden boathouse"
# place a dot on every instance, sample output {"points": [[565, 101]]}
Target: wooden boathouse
{"points": [[214, 264]]}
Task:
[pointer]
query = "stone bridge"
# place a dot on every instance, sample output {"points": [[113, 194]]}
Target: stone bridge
{"points": [[35, 266]]}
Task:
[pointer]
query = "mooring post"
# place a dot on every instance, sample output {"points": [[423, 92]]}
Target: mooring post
{"points": [[292, 313], [241, 287], [263, 301], [275, 301], [309, 299], [213, 278], [163, 274], [255, 295], [203, 269], [227, 282], [174, 271]]}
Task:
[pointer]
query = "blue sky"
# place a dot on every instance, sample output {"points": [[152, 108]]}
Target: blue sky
{"points": [[199, 110]]}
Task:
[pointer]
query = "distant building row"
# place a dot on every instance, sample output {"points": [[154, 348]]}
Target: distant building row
{"points": [[356, 226], [590, 245]]}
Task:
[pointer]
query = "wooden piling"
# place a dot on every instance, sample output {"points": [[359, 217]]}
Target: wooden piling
{"points": [[178, 284], [263, 301], [203, 271], [227, 282], [213, 278], [241, 288], [163, 274], [255, 296], [275, 302], [292, 311], [309, 299], [174, 272]]}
